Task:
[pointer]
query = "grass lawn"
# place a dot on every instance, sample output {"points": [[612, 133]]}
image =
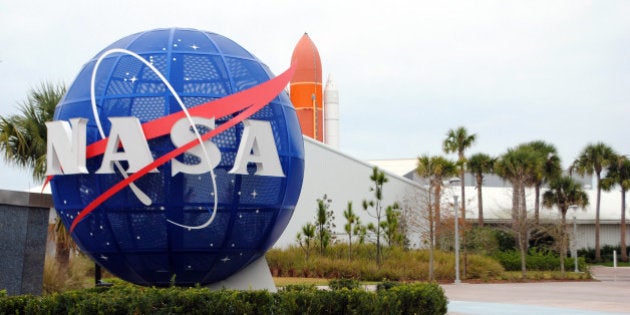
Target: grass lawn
{"points": [[284, 281], [610, 264]]}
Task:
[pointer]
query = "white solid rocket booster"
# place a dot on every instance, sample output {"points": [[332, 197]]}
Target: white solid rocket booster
{"points": [[331, 114]]}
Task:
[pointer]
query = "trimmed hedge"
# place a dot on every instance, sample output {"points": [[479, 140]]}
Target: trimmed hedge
{"points": [[421, 298], [536, 260]]}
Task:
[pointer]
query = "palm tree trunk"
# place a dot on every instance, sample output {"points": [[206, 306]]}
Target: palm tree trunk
{"points": [[438, 214], [515, 204], [480, 200], [563, 243], [463, 186], [537, 206], [598, 254], [463, 203], [62, 257], [523, 209], [624, 250]]}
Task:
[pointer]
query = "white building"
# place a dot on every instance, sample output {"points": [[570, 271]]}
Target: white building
{"points": [[497, 203]]}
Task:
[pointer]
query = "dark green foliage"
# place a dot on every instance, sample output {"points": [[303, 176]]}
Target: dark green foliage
{"points": [[536, 260], [505, 240], [606, 252], [386, 285], [344, 283], [423, 298]]}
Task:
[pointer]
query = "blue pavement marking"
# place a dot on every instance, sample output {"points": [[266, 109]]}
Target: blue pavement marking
{"points": [[482, 308]]}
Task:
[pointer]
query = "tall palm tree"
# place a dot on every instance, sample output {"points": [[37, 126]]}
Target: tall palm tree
{"points": [[548, 169], [458, 141], [564, 192], [478, 165], [517, 166], [619, 174], [436, 169], [594, 158], [23, 141]]}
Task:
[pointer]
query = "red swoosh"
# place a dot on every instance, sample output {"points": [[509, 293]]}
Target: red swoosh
{"points": [[250, 101]]}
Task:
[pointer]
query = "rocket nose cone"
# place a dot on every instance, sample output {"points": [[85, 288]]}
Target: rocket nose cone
{"points": [[307, 61], [330, 84]]}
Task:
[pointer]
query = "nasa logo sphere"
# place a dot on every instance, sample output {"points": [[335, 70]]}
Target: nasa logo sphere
{"points": [[175, 156]]}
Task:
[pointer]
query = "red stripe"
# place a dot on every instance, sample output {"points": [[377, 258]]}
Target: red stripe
{"points": [[252, 100]]}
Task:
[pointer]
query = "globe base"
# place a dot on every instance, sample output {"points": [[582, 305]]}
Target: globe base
{"points": [[256, 276]]}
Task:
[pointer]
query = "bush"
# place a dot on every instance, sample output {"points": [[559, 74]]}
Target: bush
{"points": [[422, 298], [386, 285], [398, 264], [537, 260], [338, 284], [606, 252]]}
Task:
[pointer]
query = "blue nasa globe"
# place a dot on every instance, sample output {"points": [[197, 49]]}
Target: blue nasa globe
{"points": [[155, 231]]}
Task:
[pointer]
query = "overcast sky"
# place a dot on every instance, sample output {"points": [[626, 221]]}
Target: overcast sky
{"points": [[407, 71]]}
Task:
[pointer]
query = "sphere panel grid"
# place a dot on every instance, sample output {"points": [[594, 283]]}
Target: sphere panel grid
{"points": [[156, 40], [210, 239], [137, 227], [148, 108], [245, 73]]}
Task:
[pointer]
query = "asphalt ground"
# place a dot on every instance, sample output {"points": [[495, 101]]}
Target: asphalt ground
{"points": [[608, 294]]}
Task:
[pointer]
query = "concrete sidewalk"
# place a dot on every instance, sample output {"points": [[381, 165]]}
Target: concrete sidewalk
{"points": [[609, 296]]}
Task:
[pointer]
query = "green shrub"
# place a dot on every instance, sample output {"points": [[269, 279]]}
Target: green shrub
{"points": [[537, 260], [606, 252], [423, 298], [338, 284], [397, 265], [386, 285]]}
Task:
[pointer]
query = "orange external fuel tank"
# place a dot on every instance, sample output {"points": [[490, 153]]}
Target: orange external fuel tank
{"points": [[306, 88]]}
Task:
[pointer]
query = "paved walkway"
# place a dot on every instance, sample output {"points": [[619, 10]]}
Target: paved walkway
{"points": [[609, 295]]}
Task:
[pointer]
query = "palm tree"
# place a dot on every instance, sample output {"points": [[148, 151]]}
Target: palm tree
{"points": [[548, 169], [517, 166], [23, 141], [594, 158], [436, 169], [563, 193], [619, 174], [478, 165], [457, 141], [23, 136]]}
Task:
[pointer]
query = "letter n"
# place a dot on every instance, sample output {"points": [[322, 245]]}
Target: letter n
{"points": [[66, 147]]}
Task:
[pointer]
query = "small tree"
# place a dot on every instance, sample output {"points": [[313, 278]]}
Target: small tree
{"points": [[324, 223], [378, 179], [564, 192], [391, 226], [360, 231], [350, 226], [308, 232]]}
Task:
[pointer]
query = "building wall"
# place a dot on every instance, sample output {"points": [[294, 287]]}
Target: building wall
{"points": [[610, 234], [342, 178], [23, 233]]}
